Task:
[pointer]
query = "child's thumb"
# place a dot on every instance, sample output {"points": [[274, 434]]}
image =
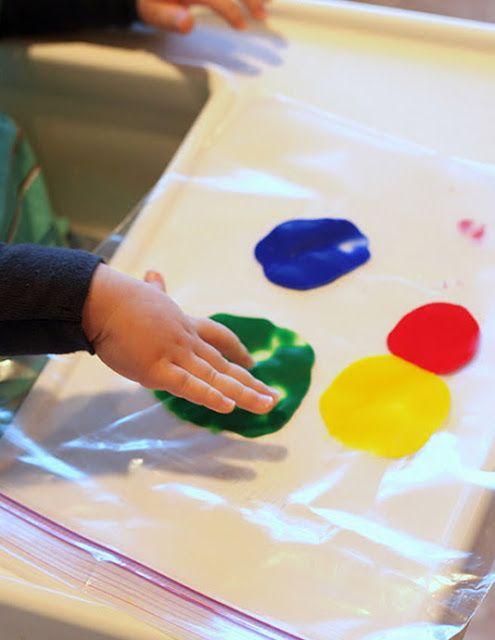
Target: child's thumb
{"points": [[155, 279]]}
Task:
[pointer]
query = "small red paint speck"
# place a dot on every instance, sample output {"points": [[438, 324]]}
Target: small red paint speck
{"points": [[465, 225], [479, 233], [471, 229]]}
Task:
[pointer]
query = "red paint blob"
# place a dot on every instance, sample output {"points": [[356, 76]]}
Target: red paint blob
{"points": [[472, 229], [440, 337]]}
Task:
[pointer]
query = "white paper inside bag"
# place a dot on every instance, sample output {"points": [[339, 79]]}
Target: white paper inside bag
{"points": [[292, 527]]}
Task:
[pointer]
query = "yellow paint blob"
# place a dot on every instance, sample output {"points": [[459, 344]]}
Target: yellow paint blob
{"points": [[385, 405]]}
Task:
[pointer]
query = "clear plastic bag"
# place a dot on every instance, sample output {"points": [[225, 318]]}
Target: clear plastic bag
{"points": [[291, 535]]}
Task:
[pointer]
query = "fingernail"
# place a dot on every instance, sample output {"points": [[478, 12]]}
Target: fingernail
{"points": [[229, 404], [155, 278], [275, 392], [152, 276], [266, 401]]}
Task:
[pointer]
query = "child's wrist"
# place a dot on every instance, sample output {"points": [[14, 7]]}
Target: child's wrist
{"points": [[98, 302]]}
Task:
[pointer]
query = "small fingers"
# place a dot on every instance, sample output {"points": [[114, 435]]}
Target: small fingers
{"points": [[183, 384], [256, 8], [169, 16], [243, 395], [216, 360], [225, 341], [230, 10], [248, 379]]}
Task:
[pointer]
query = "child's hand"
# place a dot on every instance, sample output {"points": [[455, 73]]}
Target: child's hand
{"points": [[174, 15], [141, 333]]}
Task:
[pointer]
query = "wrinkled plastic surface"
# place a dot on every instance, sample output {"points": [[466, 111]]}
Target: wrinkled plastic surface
{"points": [[308, 538]]}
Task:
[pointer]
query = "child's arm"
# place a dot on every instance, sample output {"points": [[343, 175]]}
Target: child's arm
{"points": [[141, 333], [62, 300], [42, 294]]}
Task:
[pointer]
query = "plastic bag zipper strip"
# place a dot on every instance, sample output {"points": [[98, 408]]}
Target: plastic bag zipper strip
{"points": [[114, 579]]}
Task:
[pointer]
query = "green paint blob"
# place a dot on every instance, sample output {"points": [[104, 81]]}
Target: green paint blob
{"points": [[283, 361]]}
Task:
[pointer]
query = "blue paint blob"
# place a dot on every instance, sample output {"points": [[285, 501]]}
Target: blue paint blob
{"points": [[304, 254]]}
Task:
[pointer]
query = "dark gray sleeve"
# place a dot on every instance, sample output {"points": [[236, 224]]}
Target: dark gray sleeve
{"points": [[42, 295], [34, 17]]}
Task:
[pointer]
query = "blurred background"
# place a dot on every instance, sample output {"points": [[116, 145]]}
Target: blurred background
{"points": [[473, 9]]}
